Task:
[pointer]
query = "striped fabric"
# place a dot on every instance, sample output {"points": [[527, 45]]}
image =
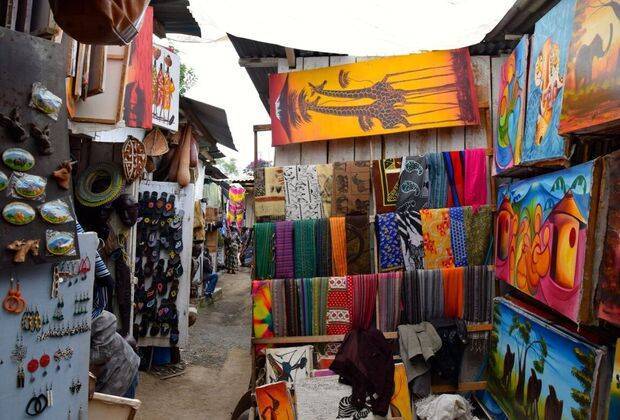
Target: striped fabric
{"points": [[323, 248], [389, 289], [305, 248], [284, 250], [364, 300], [100, 292], [278, 307]]}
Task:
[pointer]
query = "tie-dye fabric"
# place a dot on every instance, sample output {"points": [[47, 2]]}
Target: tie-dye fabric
{"points": [[261, 309]]}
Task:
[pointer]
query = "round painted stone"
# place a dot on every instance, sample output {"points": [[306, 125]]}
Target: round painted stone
{"points": [[29, 186], [4, 181], [60, 243], [17, 213], [18, 159], [56, 212]]}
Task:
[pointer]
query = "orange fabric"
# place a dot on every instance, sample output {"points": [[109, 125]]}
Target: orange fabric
{"points": [[339, 246], [453, 292]]}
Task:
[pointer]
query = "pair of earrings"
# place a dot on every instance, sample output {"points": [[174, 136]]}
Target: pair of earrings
{"points": [[75, 387], [31, 320]]}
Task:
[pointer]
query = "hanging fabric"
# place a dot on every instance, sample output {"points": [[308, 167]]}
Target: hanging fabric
{"points": [[325, 176], [475, 187], [236, 206], [278, 307], [339, 245], [319, 304], [301, 297], [438, 181], [453, 292], [479, 233], [385, 175], [414, 184], [261, 309], [455, 169], [478, 284], [457, 236], [437, 242], [390, 254], [364, 300], [410, 237], [351, 188], [292, 308], [305, 248], [411, 298], [284, 249], [323, 248], [309, 316], [264, 234], [389, 289], [431, 288], [270, 202], [339, 305], [358, 244], [303, 197]]}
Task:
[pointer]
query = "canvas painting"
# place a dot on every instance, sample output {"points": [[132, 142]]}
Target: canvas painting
{"points": [[537, 371], [138, 84], [511, 108], [166, 74], [541, 231], [400, 404], [274, 401], [382, 96], [289, 364], [592, 92], [547, 71], [614, 392]]}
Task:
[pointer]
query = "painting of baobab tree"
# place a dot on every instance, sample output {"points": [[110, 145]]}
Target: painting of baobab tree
{"points": [[381, 96], [537, 371]]}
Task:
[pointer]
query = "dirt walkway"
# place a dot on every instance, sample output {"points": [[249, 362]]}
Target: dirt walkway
{"points": [[218, 370]]}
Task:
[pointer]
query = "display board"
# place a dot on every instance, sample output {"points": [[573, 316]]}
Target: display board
{"points": [[68, 355]]}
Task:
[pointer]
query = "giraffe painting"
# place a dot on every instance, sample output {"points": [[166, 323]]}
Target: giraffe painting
{"points": [[381, 96]]}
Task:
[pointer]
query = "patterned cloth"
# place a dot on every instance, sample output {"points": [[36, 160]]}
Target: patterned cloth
{"points": [[475, 188], [390, 255], [437, 242], [261, 309], [385, 174], [479, 234], [479, 289], [457, 236], [389, 289], [236, 206], [264, 234], [358, 244], [351, 190], [455, 168], [303, 196], [339, 305], [364, 300], [410, 236], [453, 291], [278, 307], [271, 203], [430, 286], [319, 305], [292, 308], [438, 181], [305, 248], [325, 176], [338, 232], [284, 250], [323, 248], [414, 184]]}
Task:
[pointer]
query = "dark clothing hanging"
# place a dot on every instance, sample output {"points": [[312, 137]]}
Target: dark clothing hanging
{"points": [[447, 361], [365, 362]]}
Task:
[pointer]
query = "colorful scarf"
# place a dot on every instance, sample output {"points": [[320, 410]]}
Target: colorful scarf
{"points": [[414, 184], [325, 176], [236, 206], [263, 243], [475, 188], [303, 310], [437, 242], [430, 286], [261, 309], [305, 248], [278, 307], [411, 298], [455, 168], [319, 304], [385, 174], [272, 202], [303, 196], [390, 255], [457, 236], [478, 294], [309, 316], [285, 250], [410, 236], [358, 244], [292, 308], [323, 248], [438, 181], [338, 232], [479, 233], [389, 287], [453, 292], [364, 300], [339, 305], [351, 190]]}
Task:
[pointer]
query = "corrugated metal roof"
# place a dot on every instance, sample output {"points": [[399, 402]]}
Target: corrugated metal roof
{"points": [[212, 119], [176, 17]]}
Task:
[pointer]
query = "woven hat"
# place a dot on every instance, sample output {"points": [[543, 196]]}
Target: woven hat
{"points": [[155, 143], [99, 184]]}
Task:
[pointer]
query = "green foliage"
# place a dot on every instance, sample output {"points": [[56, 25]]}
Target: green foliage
{"points": [[581, 398], [580, 414], [188, 79], [228, 166], [559, 184], [260, 163], [587, 360], [580, 181], [539, 366], [584, 376]]}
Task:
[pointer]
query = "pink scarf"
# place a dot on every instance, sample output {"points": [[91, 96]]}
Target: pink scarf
{"points": [[475, 189]]}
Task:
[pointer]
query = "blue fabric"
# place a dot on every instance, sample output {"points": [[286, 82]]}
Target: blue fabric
{"points": [[210, 283], [457, 236], [437, 180], [131, 392], [390, 253]]}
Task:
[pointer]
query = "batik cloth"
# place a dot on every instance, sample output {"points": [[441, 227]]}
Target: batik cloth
{"points": [[272, 202], [438, 181], [339, 305], [351, 189], [278, 307], [323, 248], [457, 236], [325, 176], [475, 185], [358, 244], [303, 196], [437, 242], [305, 248], [284, 250], [390, 254], [410, 237], [479, 234], [364, 300], [453, 292], [455, 170], [389, 290], [478, 285], [338, 233], [264, 234], [385, 175], [292, 308], [236, 206], [262, 320], [414, 184]]}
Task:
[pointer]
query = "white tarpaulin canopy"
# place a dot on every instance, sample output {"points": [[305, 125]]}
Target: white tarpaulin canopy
{"points": [[356, 27]]}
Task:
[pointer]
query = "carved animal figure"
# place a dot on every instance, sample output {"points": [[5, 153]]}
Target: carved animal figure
{"points": [[43, 137], [14, 126], [553, 406], [509, 362], [534, 386], [586, 55]]}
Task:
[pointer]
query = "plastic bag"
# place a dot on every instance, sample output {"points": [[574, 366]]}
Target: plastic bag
{"points": [[45, 101]]}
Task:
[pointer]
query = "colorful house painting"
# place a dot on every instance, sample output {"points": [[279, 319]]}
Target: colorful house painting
{"points": [[539, 371], [548, 58], [592, 89], [511, 108], [614, 392], [541, 227]]}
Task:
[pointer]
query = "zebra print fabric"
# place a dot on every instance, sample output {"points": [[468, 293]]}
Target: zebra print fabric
{"points": [[411, 241]]}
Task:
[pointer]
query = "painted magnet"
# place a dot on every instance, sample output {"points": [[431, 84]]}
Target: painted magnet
{"points": [[18, 214], [18, 159]]}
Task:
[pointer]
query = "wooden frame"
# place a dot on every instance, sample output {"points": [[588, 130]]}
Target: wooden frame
{"points": [[96, 72], [111, 407]]}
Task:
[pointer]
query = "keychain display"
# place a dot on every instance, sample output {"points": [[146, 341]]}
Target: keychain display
{"points": [[18, 159], [60, 243], [18, 213], [56, 212], [22, 185]]}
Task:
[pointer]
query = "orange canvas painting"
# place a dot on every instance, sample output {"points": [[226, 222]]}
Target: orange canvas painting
{"points": [[592, 90], [274, 402], [387, 95], [400, 404]]}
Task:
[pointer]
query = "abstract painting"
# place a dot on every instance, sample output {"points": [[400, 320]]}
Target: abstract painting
{"points": [[547, 70], [274, 401], [541, 229], [289, 364], [511, 108], [592, 90], [138, 84], [538, 371], [614, 392], [387, 95], [165, 85]]}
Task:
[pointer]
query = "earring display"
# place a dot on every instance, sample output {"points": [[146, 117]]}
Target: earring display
{"points": [[13, 301]]}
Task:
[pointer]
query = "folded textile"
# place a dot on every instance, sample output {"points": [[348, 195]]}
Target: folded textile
{"points": [[418, 343], [262, 321], [389, 290], [292, 308], [323, 248], [278, 307], [351, 189], [444, 406], [475, 185], [339, 305], [455, 169], [479, 233], [413, 193], [390, 254], [410, 237], [457, 236], [438, 181], [302, 193], [305, 248], [364, 300], [453, 292], [325, 176], [385, 176], [264, 246], [437, 241], [270, 202], [338, 233], [284, 250], [358, 244]]}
